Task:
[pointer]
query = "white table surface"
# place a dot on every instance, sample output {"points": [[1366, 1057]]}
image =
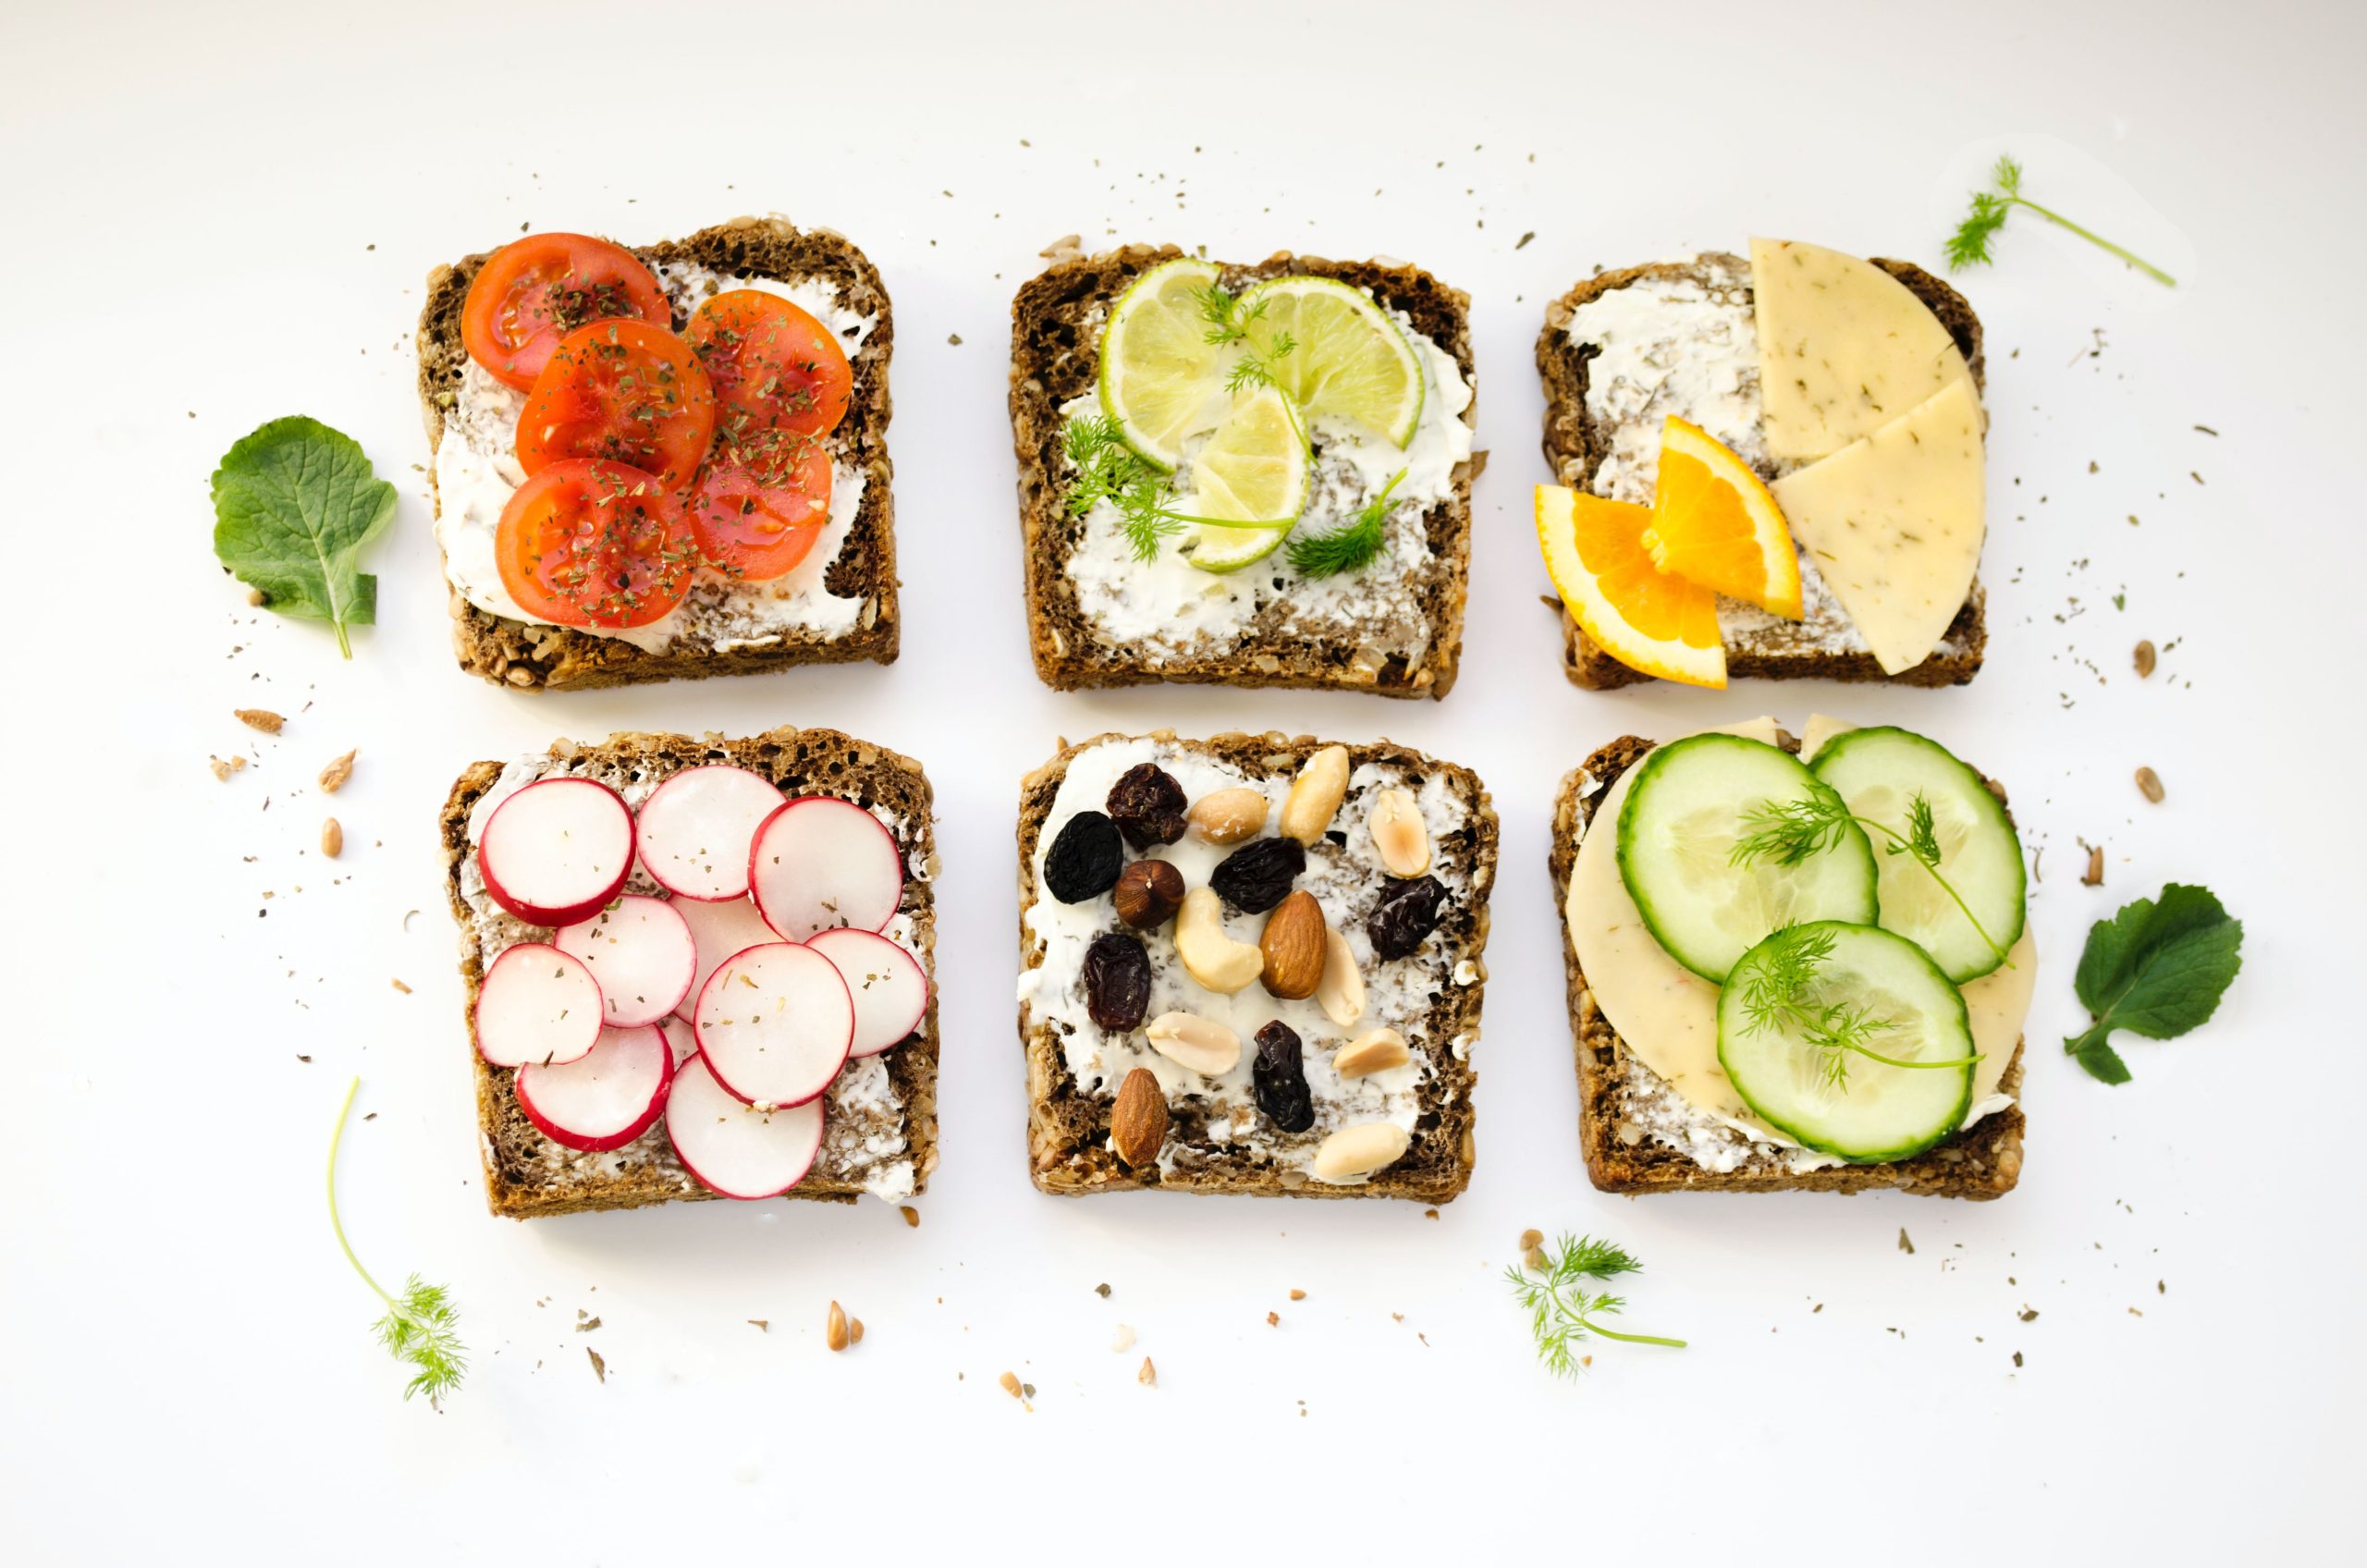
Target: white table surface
{"points": [[223, 215]]}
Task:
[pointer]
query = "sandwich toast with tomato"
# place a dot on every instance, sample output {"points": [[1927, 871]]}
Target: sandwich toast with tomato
{"points": [[663, 462]]}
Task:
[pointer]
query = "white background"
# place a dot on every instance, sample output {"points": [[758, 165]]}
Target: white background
{"points": [[219, 215]]}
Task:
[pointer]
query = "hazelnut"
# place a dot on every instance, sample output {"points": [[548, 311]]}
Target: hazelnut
{"points": [[1148, 893]]}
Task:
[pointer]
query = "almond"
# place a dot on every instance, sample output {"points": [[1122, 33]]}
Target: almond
{"points": [[1315, 795], [1209, 951], [1138, 1122], [1341, 993], [1229, 816], [1375, 1052], [1398, 835], [1207, 1047], [1293, 944]]}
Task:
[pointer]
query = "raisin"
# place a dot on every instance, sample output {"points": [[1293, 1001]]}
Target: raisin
{"points": [[1407, 912], [1085, 859], [1257, 876], [1147, 805], [1117, 981], [1280, 1080]]}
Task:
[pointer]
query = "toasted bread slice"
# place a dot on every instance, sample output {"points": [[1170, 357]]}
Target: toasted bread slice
{"points": [[878, 1140], [1055, 343], [532, 655], [1980, 1161], [1823, 645]]}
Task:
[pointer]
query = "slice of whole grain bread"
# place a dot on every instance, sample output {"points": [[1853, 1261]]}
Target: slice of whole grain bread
{"points": [[526, 1175], [1978, 1162], [1068, 1129], [534, 656], [1574, 447], [1055, 342]]}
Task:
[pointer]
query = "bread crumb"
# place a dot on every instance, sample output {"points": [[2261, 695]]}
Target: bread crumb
{"points": [[225, 767], [599, 1368], [1531, 1239], [585, 1325], [1273, 1320], [764, 1325], [332, 777], [1102, 1291], [855, 1331], [834, 1327], [401, 987], [1904, 1245], [2149, 784], [1430, 1213], [1298, 1295], [1149, 1376], [260, 718], [954, 339], [911, 1216], [1125, 1339]]}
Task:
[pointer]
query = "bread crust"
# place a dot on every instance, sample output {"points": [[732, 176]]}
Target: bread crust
{"points": [[1068, 1130], [1574, 448], [517, 1183], [1980, 1162], [531, 657], [1055, 335]]}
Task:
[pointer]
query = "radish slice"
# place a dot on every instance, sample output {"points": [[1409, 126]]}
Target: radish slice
{"points": [[890, 990], [696, 828], [557, 851], [681, 1038], [536, 1004], [642, 954], [605, 1100], [775, 1024], [720, 930], [820, 863], [736, 1149]]}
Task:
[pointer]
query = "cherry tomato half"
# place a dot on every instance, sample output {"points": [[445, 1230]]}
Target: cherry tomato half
{"points": [[759, 507], [774, 366], [595, 544], [534, 291], [622, 392]]}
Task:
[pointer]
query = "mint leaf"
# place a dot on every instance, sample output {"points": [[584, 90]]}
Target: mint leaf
{"points": [[2156, 969], [293, 504]]}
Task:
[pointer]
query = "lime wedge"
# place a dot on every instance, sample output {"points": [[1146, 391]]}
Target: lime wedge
{"points": [[1162, 379], [1253, 470], [1347, 358]]}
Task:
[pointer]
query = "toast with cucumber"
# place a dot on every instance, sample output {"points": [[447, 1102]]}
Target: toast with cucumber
{"points": [[1795, 963]]}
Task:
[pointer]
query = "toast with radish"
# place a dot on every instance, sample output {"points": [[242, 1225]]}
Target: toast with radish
{"points": [[698, 968]]}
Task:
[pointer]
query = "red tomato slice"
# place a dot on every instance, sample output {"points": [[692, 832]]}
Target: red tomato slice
{"points": [[774, 366], [534, 291], [595, 544], [757, 511], [622, 392]]}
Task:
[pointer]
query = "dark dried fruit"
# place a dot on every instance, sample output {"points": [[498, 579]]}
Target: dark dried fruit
{"points": [[1407, 912], [1117, 981], [1148, 894], [1147, 805], [1257, 876], [1085, 859], [1280, 1079]]}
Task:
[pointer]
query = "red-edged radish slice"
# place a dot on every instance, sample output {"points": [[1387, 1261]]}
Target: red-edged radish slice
{"points": [[536, 1004], [720, 930], [642, 954], [681, 1036], [773, 1023], [890, 990], [820, 863], [557, 851], [605, 1100], [695, 830], [736, 1149]]}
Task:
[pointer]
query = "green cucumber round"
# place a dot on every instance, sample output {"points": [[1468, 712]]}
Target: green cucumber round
{"points": [[1871, 1111], [1880, 772], [1677, 832]]}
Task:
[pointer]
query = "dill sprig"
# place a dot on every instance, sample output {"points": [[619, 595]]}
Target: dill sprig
{"points": [[1788, 832], [1968, 245], [1228, 326], [1562, 1305], [420, 1327], [1109, 470], [1351, 546], [1780, 992]]}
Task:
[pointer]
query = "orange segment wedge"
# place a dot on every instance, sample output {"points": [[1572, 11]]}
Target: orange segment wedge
{"points": [[1715, 524], [1645, 618]]}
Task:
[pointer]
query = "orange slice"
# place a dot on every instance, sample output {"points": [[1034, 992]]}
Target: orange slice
{"points": [[1715, 524], [1647, 618]]}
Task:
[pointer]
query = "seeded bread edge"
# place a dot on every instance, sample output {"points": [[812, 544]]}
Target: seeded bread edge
{"points": [[1054, 342], [535, 657], [1574, 448], [810, 760], [1068, 1131]]}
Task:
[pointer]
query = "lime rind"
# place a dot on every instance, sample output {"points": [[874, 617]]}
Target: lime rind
{"points": [[1254, 469], [1319, 376], [1158, 371]]}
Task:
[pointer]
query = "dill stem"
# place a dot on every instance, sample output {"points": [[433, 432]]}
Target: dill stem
{"points": [[2093, 238], [1945, 886], [1595, 1328], [1893, 1061], [335, 1223]]}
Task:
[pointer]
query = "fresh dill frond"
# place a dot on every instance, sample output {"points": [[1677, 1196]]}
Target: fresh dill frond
{"points": [[1351, 546], [1228, 326], [1109, 470], [421, 1326], [1789, 832], [1779, 992], [1564, 1306], [1922, 838], [1969, 245]]}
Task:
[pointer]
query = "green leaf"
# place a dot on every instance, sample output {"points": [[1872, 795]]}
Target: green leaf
{"points": [[2157, 969], [293, 504]]}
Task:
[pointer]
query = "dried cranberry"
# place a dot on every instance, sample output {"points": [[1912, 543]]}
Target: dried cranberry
{"points": [[1280, 1079], [1147, 805], [1085, 859], [1117, 981], [1407, 912], [1257, 876]]}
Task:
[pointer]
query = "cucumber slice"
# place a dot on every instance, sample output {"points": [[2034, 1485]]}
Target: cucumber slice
{"points": [[1874, 1112], [1677, 839], [1880, 772]]}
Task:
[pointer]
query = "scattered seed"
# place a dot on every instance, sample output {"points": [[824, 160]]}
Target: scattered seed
{"points": [[1102, 1291], [260, 718], [911, 1216], [332, 777], [399, 985], [955, 338], [599, 1368], [2028, 1315], [1010, 1382], [332, 839], [2149, 784], [2094, 875], [1273, 1320], [1534, 1258], [587, 1324], [1298, 1295], [834, 1331], [764, 1325], [1904, 1245], [254, 595], [2146, 658], [855, 1331], [1149, 1376], [1531, 1240]]}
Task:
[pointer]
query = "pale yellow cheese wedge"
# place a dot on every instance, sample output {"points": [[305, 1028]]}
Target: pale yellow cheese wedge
{"points": [[1844, 347]]}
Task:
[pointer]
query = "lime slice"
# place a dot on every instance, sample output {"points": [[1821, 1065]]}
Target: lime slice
{"points": [[1162, 379], [1253, 470], [1347, 358]]}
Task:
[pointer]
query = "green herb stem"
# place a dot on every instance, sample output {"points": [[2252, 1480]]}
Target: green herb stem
{"points": [[336, 1224], [2093, 238]]}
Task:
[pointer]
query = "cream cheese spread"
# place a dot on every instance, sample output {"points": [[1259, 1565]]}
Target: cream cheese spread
{"points": [[477, 471]]}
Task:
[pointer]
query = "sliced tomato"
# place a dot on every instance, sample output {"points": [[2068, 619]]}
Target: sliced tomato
{"points": [[620, 392], [759, 507], [584, 543], [534, 291], [774, 366]]}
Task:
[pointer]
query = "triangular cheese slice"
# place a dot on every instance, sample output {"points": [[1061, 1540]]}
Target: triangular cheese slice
{"points": [[1844, 347], [1894, 523]]}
